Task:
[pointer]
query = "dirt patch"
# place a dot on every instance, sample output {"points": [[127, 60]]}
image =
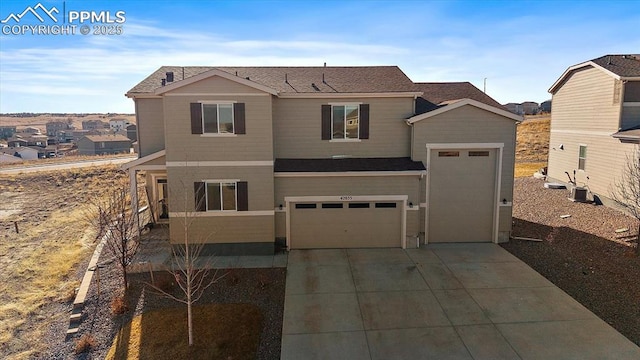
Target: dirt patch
{"points": [[39, 264], [582, 254]]}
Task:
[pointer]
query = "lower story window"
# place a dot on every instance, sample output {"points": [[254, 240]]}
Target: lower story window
{"points": [[582, 157], [221, 196]]}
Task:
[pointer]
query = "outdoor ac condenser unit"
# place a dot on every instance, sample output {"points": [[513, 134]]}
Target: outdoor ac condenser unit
{"points": [[578, 194]]}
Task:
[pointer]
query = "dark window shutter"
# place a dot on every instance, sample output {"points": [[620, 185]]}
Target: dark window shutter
{"points": [[200, 201], [326, 122], [238, 118], [243, 196], [364, 121], [196, 118]]}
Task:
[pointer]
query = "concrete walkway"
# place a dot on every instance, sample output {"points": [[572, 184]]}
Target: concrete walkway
{"points": [[449, 301]]}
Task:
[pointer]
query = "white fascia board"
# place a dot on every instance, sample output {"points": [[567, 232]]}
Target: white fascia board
{"points": [[142, 160], [349, 95], [349, 174], [556, 84], [462, 103], [142, 96], [210, 73]]}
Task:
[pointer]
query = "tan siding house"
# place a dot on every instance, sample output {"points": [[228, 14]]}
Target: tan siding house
{"points": [[595, 122], [258, 158]]}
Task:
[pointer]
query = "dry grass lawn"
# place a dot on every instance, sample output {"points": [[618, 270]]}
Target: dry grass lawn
{"points": [[38, 265], [221, 331], [532, 145]]}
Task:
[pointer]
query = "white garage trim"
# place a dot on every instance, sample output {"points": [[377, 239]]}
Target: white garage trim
{"points": [[348, 198], [456, 146], [349, 174]]}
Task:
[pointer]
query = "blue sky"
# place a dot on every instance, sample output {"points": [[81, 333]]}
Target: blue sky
{"points": [[520, 47]]}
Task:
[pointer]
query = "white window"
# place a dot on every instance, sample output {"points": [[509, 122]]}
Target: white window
{"points": [[582, 157], [217, 118], [221, 196], [345, 121]]}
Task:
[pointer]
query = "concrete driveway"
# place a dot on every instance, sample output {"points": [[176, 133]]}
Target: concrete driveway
{"points": [[445, 301]]}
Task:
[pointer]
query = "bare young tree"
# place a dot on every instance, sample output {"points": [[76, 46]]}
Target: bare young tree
{"points": [[626, 191], [192, 272], [116, 223]]}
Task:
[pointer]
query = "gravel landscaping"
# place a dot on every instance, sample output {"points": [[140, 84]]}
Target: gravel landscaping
{"points": [[261, 287], [582, 254]]}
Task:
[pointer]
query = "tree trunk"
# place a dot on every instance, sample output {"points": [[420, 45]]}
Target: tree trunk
{"points": [[190, 323], [125, 278]]}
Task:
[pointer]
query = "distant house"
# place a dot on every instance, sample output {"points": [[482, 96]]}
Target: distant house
{"points": [[132, 132], [16, 141], [7, 131], [94, 125], [545, 106], [104, 144], [515, 108], [530, 107], [31, 130], [595, 121], [53, 127], [29, 153], [116, 125]]}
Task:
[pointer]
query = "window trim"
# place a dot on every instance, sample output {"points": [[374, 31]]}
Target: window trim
{"points": [[221, 181], [581, 158], [218, 103], [344, 122]]}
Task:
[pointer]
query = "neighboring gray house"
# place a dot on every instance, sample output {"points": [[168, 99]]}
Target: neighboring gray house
{"points": [[515, 108], [104, 144], [7, 131], [132, 132], [53, 127], [545, 106], [595, 121], [322, 157], [530, 107], [94, 125]]}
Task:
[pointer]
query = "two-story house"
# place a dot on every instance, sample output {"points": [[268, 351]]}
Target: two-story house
{"points": [[322, 157], [595, 121]]}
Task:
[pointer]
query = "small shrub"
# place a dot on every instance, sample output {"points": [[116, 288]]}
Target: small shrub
{"points": [[164, 282], [85, 343], [119, 305]]}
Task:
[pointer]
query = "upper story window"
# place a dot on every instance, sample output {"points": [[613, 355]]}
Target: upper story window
{"points": [[221, 118], [582, 157], [217, 118], [345, 121]]}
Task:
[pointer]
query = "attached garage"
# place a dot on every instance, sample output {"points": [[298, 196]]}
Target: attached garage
{"points": [[462, 187], [357, 223]]}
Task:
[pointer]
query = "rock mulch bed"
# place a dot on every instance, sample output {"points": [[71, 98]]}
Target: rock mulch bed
{"points": [[582, 254], [261, 287]]}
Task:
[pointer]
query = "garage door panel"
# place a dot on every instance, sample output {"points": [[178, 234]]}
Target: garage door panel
{"points": [[345, 227], [462, 195]]}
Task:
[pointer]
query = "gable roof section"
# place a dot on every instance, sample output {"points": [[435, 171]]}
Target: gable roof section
{"points": [[631, 135], [107, 138], [452, 105], [347, 165], [435, 94], [621, 67], [288, 80]]}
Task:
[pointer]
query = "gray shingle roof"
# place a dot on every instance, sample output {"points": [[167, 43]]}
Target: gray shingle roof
{"points": [[107, 138], [439, 93], [347, 164], [357, 79], [622, 65]]}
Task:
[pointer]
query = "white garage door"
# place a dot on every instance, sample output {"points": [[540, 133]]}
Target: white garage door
{"points": [[361, 224], [462, 185]]}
